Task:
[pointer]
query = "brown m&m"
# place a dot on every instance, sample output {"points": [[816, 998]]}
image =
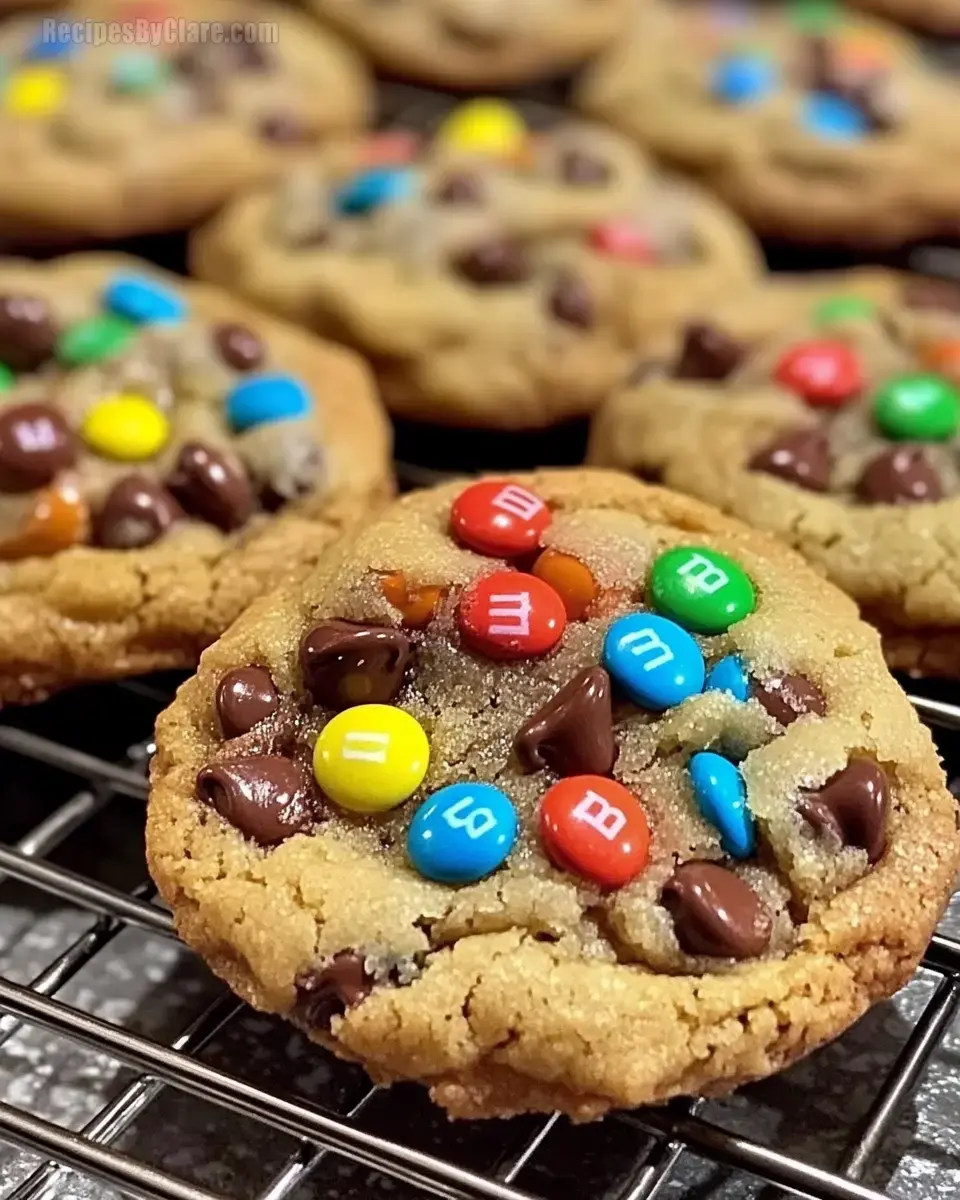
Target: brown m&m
{"points": [[36, 444], [136, 513], [213, 486], [28, 332]]}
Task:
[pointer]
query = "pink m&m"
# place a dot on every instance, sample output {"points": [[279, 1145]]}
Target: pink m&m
{"points": [[499, 518], [510, 615], [825, 373], [622, 239], [593, 827]]}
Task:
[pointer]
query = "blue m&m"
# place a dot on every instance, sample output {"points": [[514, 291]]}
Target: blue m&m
{"points": [[52, 41], [743, 78], [265, 399], [372, 189], [721, 796], [143, 301], [834, 117], [462, 833], [655, 661], [729, 675]]}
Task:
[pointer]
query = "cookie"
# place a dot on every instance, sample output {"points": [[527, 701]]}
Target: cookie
{"points": [[469, 44], [495, 277], [815, 125], [840, 435], [938, 17], [165, 455], [554, 792], [106, 137]]}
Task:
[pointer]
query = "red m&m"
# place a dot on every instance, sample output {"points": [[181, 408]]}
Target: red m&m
{"points": [[622, 239], [824, 373], [499, 518], [509, 615], [595, 828]]}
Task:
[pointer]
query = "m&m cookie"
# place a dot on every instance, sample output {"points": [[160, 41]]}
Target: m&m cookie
{"points": [[454, 804]]}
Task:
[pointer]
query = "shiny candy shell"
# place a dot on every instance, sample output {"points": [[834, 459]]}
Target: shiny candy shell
{"points": [[623, 239], [729, 675], [571, 579], [837, 310], [919, 407], [127, 427], [485, 127], [501, 519], [744, 78], [595, 828], [94, 339], [371, 758], [462, 833], [654, 660], [372, 189], [137, 72], [266, 398], [143, 301], [53, 40], [721, 796], [824, 373], [834, 117], [34, 91], [701, 588], [510, 615]]}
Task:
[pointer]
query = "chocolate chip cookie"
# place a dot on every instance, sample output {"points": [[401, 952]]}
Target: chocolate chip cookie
{"points": [[816, 125], [555, 791], [496, 277], [105, 137], [165, 455], [840, 434], [477, 43], [938, 17]]}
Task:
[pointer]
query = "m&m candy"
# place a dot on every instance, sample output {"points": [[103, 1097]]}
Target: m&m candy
{"points": [[34, 91], [824, 373], [622, 239], [371, 758], [744, 78], [127, 427], [263, 399], [701, 588], [94, 339], [654, 660], [918, 407], [834, 117], [372, 189], [501, 519], [721, 796], [53, 40], [837, 310], [137, 72], [7, 378], [729, 675], [485, 127], [593, 827], [510, 615], [571, 579], [462, 833], [143, 301]]}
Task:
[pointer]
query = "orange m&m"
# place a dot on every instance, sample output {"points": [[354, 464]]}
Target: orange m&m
{"points": [[510, 615], [824, 373], [570, 579], [943, 356], [416, 605], [594, 827], [59, 519], [499, 518]]}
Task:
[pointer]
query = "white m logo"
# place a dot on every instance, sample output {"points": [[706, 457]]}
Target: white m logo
{"points": [[645, 641], [703, 574]]}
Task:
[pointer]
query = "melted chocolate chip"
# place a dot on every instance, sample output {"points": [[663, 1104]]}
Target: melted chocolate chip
{"points": [[346, 664], [708, 353], [901, 475], [36, 443], [464, 187], [324, 993], [266, 796], [570, 301], [801, 457], [285, 129], [937, 294], [249, 55], [715, 913], [212, 486], [787, 697], [245, 697], [495, 263], [582, 169], [851, 807], [28, 332], [238, 346], [136, 512], [573, 732]]}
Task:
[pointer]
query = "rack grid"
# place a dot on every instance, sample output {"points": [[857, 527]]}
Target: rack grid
{"points": [[659, 1141]]}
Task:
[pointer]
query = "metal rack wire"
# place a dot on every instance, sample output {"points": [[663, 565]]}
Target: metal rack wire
{"points": [[662, 1139]]}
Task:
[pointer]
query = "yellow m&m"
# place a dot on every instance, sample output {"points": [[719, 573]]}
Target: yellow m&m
{"points": [[487, 127], [371, 758], [34, 92], [127, 427]]}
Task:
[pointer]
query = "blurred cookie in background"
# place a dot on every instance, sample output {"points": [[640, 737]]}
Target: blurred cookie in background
{"points": [[940, 18]]}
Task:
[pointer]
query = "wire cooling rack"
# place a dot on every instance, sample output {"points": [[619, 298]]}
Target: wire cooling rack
{"points": [[160, 1107]]}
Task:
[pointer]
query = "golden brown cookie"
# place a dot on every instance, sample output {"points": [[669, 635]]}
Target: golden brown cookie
{"points": [[938, 17], [165, 455], [497, 276], [815, 124], [559, 791], [114, 124]]}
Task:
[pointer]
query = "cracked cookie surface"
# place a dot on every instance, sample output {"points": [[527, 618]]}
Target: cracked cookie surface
{"points": [[560, 791], [165, 455]]}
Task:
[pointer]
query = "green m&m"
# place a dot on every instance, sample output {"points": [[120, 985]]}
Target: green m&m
{"points": [[701, 589], [89, 341], [837, 309], [6, 378], [920, 407]]}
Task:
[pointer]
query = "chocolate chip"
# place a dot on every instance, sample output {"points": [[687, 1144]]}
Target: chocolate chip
{"points": [[345, 664], [28, 332], [324, 993], [249, 55], [851, 807], [36, 443], [901, 475], [285, 129], [136, 512], [715, 913], [938, 294], [494, 263], [801, 457], [573, 732], [238, 346], [582, 169], [787, 697], [212, 486], [708, 353], [266, 796], [570, 301], [245, 697], [464, 187]]}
